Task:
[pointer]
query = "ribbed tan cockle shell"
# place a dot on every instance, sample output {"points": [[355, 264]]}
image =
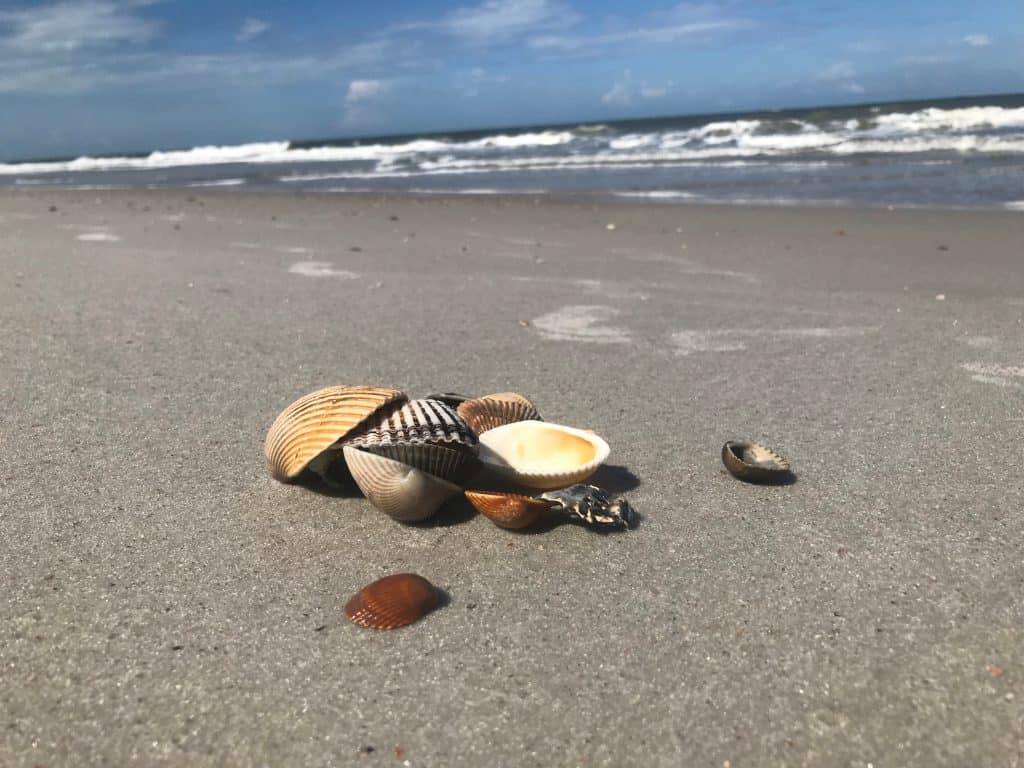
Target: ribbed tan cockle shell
{"points": [[315, 422]]}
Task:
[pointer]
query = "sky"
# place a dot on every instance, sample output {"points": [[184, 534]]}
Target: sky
{"points": [[104, 76]]}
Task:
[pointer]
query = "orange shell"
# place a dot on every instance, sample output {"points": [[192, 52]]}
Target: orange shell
{"points": [[392, 602], [316, 421], [509, 510], [492, 411]]}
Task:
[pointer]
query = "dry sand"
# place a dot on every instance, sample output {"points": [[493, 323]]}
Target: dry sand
{"points": [[167, 603]]}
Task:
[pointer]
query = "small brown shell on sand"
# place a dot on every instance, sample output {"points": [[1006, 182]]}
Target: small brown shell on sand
{"points": [[492, 411], [396, 489], [754, 462], [509, 510], [316, 421], [392, 602]]}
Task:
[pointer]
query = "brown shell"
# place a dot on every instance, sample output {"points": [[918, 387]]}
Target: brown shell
{"points": [[510, 510], [316, 421], [754, 462], [492, 411], [392, 602]]}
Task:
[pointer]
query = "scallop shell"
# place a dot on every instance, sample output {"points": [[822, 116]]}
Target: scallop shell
{"points": [[754, 462], [392, 602], [492, 411], [542, 455], [396, 489], [509, 510], [453, 462], [315, 422], [418, 421]]}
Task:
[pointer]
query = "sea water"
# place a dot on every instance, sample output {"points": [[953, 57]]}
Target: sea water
{"points": [[951, 153]]}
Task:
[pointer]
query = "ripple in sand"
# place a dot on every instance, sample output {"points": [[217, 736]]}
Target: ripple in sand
{"points": [[98, 237], [581, 323], [731, 339], [1000, 375], [319, 269]]}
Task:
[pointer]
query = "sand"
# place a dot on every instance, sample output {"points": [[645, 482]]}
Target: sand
{"points": [[167, 603]]}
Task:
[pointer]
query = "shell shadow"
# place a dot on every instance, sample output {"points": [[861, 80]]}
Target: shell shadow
{"points": [[444, 599], [780, 478], [614, 478], [456, 511], [341, 485]]}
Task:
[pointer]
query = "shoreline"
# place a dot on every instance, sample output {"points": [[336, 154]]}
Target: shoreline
{"points": [[642, 198]]}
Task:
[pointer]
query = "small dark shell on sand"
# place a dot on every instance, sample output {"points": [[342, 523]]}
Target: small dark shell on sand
{"points": [[754, 462], [392, 602]]}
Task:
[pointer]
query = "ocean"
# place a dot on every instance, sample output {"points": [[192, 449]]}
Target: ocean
{"points": [[948, 153]]}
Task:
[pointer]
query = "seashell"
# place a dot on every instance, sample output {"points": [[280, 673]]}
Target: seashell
{"points": [[594, 506], [396, 489], [542, 455], [454, 399], [509, 510], [453, 462], [418, 421], [754, 462], [492, 411], [392, 602], [315, 422]]}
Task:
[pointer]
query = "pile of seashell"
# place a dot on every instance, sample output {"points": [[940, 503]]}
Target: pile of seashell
{"points": [[410, 456]]}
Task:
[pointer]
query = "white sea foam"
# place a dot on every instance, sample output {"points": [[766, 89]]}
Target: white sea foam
{"points": [[217, 183], [658, 194]]}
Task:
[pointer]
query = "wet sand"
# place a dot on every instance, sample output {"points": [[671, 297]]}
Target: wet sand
{"points": [[167, 603]]}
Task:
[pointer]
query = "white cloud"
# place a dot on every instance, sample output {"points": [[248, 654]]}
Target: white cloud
{"points": [[251, 28], [842, 70], [842, 75], [472, 82], [645, 35], [503, 19], [76, 24], [651, 92], [498, 21], [618, 95], [625, 90], [366, 90], [365, 102], [978, 40]]}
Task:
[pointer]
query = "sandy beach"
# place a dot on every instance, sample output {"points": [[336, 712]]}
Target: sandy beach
{"points": [[168, 603]]}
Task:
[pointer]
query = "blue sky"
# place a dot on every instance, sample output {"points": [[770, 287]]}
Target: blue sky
{"points": [[82, 76]]}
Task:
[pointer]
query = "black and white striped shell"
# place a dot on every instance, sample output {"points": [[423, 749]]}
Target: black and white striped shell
{"points": [[415, 422]]}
